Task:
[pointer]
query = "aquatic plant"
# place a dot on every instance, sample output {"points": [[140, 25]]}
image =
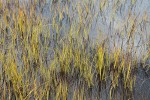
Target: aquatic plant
{"points": [[58, 49]]}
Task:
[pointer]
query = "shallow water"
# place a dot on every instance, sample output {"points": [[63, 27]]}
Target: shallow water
{"points": [[112, 24]]}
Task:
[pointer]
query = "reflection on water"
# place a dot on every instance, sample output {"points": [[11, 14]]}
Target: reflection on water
{"points": [[114, 21]]}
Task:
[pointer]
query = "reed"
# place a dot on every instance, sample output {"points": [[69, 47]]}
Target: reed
{"points": [[53, 55]]}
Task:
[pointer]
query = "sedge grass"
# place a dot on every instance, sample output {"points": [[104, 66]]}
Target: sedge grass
{"points": [[54, 56]]}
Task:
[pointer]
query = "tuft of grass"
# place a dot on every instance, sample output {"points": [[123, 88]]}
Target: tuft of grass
{"points": [[63, 49]]}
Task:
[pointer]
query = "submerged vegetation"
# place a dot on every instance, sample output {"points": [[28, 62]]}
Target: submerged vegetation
{"points": [[72, 49]]}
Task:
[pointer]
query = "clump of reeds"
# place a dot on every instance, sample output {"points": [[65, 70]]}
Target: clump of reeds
{"points": [[52, 55]]}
